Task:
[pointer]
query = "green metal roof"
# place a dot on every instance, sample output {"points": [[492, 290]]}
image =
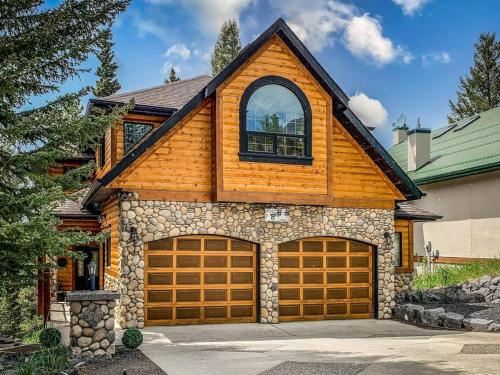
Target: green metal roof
{"points": [[469, 147]]}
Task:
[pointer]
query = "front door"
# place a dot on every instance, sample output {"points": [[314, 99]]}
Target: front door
{"points": [[81, 267]]}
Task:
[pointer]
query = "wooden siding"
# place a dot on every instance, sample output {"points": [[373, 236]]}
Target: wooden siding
{"points": [[180, 163], [65, 276], [405, 227], [242, 176], [111, 223], [341, 174], [114, 140]]}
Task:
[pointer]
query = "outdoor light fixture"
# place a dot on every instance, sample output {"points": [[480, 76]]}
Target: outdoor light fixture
{"points": [[387, 237], [133, 234], [92, 268]]}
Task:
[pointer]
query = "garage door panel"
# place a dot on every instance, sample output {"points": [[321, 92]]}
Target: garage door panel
{"points": [[196, 279], [289, 294], [334, 280]]}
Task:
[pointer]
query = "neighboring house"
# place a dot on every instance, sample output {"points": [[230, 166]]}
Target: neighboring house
{"points": [[458, 168], [255, 195]]}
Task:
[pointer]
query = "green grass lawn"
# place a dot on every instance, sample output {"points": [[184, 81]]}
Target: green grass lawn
{"points": [[446, 275]]}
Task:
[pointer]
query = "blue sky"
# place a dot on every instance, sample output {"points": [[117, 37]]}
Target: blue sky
{"points": [[392, 57]]}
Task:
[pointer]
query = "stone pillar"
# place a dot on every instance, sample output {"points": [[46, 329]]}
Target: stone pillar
{"points": [[92, 325]]}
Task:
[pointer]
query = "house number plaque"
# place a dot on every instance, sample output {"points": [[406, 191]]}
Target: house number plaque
{"points": [[277, 215]]}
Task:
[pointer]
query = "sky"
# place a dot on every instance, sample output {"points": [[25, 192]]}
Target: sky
{"points": [[392, 57]]}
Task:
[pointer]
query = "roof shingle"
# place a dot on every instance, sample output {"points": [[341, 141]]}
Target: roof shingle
{"points": [[170, 95]]}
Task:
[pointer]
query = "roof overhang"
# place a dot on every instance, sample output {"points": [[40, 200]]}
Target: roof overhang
{"points": [[140, 109]]}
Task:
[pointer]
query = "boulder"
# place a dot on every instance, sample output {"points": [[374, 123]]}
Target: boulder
{"points": [[485, 280], [475, 324], [409, 313], [484, 291], [496, 281], [451, 320], [494, 327], [430, 317]]}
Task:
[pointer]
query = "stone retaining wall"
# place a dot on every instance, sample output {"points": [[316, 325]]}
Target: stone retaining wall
{"points": [[156, 220]]}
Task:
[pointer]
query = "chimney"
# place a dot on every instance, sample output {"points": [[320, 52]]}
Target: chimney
{"points": [[399, 130], [399, 135], [419, 147]]}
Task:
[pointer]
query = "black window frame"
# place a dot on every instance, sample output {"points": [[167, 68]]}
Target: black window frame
{"points": [[102, 152], [274, 157], [400, 235], [125, 123], [106, 244]]}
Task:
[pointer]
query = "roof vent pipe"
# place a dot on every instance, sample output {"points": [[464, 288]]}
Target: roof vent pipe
{"points": [[419, 147]]}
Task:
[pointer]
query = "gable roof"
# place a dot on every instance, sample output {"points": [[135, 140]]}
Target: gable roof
{"points": [[469, 147], [340, 108], [170, 95]]}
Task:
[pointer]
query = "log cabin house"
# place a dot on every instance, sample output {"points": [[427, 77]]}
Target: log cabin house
{"points": [[252, 196]]}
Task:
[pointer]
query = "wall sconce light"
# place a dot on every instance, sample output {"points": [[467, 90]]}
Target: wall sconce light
{"points": [[92, 269], [133, 234], [387, 238]]}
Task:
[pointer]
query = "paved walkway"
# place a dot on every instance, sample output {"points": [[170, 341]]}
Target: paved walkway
{"points": [[325, 347]]}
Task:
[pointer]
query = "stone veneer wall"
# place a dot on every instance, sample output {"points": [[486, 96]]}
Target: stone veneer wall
{"points": [[160, 219], [403, 282]]}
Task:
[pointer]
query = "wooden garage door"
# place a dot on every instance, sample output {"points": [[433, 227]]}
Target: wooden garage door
{"points": [[195, 279], [325, 278]]}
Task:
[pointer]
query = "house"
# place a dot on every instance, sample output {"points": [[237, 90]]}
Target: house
{"points": [[458, 168], [255, 195]]}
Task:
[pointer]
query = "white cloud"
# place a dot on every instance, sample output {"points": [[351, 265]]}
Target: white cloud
{"points": [[178, 49], [210, 13], [148, 27], [318, 23], [363, 38], [315, 22], [410, 7], [370, 111], [167, 66], [442, 57], [203, 56]]}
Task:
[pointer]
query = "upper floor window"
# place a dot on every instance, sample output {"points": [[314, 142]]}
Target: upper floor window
{"points": [[275, 122], [134, 132]]}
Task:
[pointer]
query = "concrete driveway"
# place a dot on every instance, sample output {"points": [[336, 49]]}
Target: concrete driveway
{"points": [[324, 347]]}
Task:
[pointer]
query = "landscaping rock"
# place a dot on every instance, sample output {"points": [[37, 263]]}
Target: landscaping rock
{"points": [[480, 325], [496, 281], [409, 313], [494, 327], [430, 317], [451, 320], [484, 280]]}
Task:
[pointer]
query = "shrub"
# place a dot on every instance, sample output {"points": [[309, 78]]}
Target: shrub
{"points": [[48, 361], [132, 338], [446, 275], [50, 338]]}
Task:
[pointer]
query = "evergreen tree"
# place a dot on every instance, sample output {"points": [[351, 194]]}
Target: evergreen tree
{"points": [[226, 48], [172, 76], [480, 90], [106, 84], [41, 47]]}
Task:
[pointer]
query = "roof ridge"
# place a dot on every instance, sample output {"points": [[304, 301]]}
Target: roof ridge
{"points": [[115, 96]]}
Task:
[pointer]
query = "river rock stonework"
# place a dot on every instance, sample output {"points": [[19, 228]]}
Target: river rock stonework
{"points": [[403, 282], [156, 220], [92, 324]]}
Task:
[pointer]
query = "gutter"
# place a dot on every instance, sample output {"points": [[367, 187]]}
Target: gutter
{"points": [[94, 188], [140, 109]]}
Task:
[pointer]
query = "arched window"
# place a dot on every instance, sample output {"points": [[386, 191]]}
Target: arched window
{"points": [[275, 122]]}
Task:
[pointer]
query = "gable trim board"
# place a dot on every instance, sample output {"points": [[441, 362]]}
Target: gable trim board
{"points": [[340, 109]]}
